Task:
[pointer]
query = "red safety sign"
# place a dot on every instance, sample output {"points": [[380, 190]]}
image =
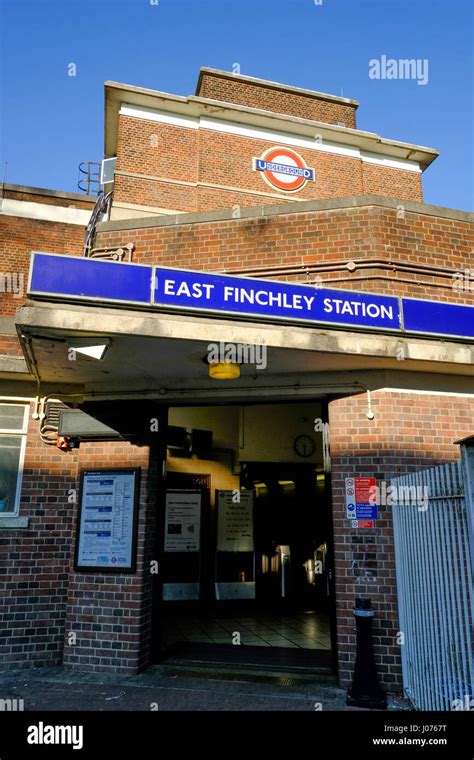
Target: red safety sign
{"points": [[361, 502]]}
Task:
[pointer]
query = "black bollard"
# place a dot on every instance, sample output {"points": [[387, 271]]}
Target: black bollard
{"points": [[365, 690]]}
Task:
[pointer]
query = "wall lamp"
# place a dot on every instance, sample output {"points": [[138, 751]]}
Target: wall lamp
{"points": [[87, 347]]}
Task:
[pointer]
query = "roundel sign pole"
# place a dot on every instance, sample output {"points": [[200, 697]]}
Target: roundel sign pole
{"points": [[284, 169]]}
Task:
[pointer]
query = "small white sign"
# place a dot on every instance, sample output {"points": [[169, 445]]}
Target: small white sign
{"points": [[182, 521], [235, 521]]}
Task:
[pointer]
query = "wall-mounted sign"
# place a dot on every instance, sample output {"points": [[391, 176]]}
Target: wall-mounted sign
{"points": [[108, 520], [68, 278], [283, 169], [182, 520], [360, 503], [185, 290], [82, 278], [435, 318], [235, 521]]}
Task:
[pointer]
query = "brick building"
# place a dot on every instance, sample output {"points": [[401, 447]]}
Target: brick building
{"points": [[271, 188]]}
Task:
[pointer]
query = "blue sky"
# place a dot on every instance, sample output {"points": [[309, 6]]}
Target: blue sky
{"points": [[51, 121]]}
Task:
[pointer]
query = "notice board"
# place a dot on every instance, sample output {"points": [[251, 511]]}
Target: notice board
{"points": [[182, 520], [235, 521], [107, 520]]}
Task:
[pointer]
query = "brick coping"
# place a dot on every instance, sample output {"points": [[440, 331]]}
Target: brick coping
{"points": [[283, 209], [272, 85]]}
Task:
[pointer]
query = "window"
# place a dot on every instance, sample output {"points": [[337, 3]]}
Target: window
{"points": [[13, 425]]}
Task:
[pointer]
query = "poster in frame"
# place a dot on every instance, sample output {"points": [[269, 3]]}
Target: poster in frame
{"points": [[107, 520]]}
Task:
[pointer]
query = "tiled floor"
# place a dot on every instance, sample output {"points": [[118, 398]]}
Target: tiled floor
{"points": [[305, 630]]}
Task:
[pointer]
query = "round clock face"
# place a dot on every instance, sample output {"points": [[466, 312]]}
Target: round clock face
{"points": [[303, 446]]}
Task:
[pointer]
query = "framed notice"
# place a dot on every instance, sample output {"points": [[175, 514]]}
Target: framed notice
{"points": [[182, 520], [235, 521], [360, 500], [107, 521]]}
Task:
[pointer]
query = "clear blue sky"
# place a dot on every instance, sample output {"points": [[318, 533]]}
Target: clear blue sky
{"points": [[51, 121]]}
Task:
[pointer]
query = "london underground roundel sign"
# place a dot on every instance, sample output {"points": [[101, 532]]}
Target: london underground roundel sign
{"points": [[284, 169]]}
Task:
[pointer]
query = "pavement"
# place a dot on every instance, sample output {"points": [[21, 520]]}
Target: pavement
{"points": [[166, 688]]}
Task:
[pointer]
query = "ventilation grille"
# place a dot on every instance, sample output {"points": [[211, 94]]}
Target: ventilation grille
{"points": [[53, 410]]}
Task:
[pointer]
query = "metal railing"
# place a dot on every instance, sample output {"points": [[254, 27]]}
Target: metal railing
{"points": [[101, 207], [435, 588], [89, 177]]}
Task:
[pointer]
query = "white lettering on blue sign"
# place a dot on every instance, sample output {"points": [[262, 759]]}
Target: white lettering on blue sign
{"points": [[233, 295], [341, 306], [238, 295], [70, 278], [265, 298], [195, 290]]}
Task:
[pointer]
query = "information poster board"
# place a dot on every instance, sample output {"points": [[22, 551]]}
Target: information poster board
{"points": [[235, 521], [360, 499], [182, 521], [108, 520]]}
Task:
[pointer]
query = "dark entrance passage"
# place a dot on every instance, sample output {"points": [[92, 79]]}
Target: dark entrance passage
{"points": [[272, 640], [245, 569]]}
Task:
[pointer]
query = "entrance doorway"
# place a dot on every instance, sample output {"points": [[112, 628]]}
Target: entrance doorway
{"points": [[245, 540]]}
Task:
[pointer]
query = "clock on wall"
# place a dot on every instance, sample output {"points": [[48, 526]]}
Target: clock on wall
{"points": [[303, 445]]}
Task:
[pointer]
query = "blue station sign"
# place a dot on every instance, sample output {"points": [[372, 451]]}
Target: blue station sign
{"points": [[69, 278], [180, 289], [73, 277]]}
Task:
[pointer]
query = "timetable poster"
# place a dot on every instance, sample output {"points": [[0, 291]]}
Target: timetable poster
{"points": [[108, 520]]}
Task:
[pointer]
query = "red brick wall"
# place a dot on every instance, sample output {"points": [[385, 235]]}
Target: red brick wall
{"points": [[324, 238], [232, 90], [159, 194], [110, 614], [170, 155], [161, 150], [393, 183], [35, 562], [43, 599], [9, 346], [19, 237], [227, 160], [409, 432]]}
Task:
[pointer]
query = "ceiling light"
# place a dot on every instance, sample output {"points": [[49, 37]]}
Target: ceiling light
{"points": [[224, 370]]}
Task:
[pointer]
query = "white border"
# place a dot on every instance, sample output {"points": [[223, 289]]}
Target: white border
{"points": [[46, 213], [459, 394], [261, 133]]}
